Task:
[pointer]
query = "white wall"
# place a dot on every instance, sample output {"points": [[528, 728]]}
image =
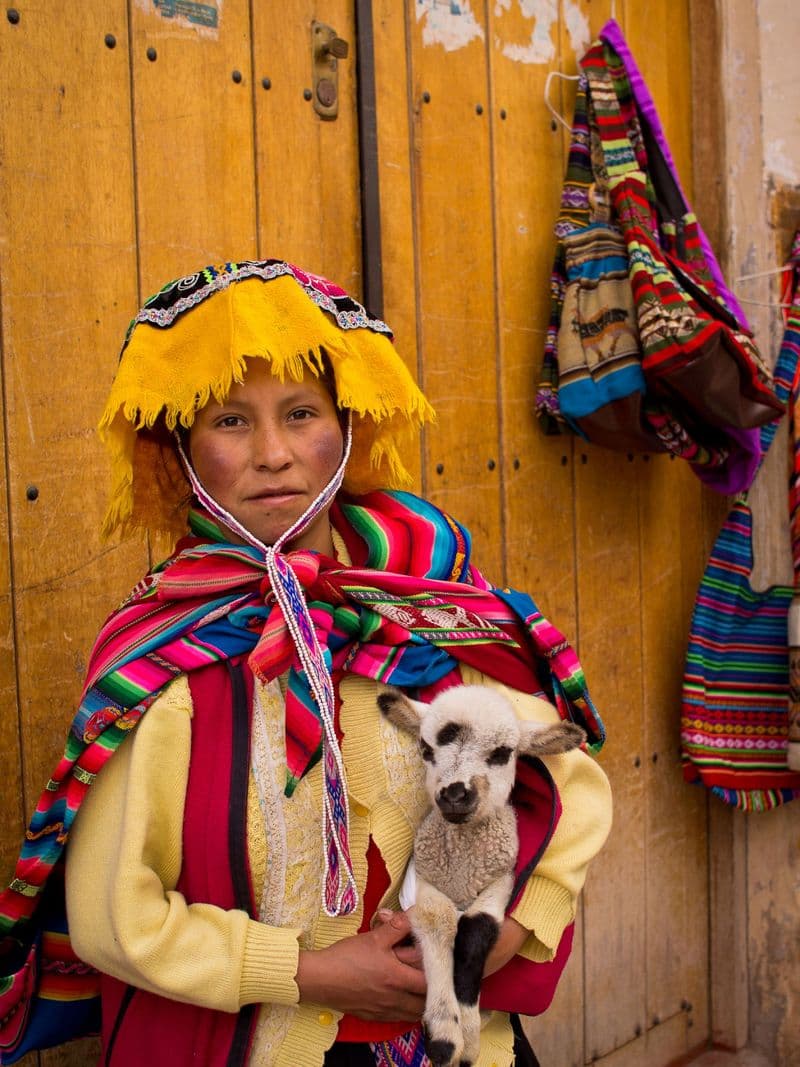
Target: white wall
{"points": [[779, 41]]}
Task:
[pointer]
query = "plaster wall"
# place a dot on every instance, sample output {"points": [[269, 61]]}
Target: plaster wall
{"points": [[756, 858], [779, 38]]}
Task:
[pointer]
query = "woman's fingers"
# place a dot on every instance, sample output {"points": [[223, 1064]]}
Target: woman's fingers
{"points": [[364, 976]]}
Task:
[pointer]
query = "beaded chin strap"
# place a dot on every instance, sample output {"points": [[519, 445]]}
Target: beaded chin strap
{"points": [[339, 892]]}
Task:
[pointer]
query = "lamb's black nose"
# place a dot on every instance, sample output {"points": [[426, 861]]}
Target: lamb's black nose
{"points": [[455, 793], [457, 802]]}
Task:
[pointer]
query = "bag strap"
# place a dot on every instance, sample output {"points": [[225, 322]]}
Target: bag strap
{"points": [[653, 201], [651, 124], [575, 211], [789, 359], [631, 148], [605, 91], [791, 344], [786, 375]]}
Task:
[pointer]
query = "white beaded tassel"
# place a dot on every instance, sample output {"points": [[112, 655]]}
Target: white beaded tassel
{"points": [[339, 893]]}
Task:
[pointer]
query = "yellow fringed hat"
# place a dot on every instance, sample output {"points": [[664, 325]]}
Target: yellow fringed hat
{"points": [[189, 343]]}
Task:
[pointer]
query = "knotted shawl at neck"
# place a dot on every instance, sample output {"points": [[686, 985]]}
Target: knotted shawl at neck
{"points": [[406, 612]]}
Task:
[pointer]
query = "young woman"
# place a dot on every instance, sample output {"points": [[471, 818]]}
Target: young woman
{"points": [[233, 872]]}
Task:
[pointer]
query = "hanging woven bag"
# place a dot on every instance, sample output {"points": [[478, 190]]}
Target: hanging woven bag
{"points": [[736, 729]]}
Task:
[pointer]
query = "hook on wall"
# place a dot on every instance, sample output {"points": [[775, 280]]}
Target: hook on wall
{"points": [[556, 115]]}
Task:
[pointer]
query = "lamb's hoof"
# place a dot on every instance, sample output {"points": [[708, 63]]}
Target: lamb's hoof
{"points": [[444, 1042], [440, 1053]]}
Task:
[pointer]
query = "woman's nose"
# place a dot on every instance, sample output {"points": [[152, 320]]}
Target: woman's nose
{"points": [[271, 450]]}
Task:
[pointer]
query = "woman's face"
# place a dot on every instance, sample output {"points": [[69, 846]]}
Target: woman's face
{"points": [[267, 452]]}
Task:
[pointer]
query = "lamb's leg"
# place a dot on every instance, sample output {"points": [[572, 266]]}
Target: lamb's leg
{"points": [[434, 919], [478, 930]]}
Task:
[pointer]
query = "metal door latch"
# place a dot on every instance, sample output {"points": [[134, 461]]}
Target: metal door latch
{"points": [[326, 51]]}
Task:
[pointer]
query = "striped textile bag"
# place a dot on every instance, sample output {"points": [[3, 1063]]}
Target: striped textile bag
{"points": [[604, 374], [735, 707], [48, 995], [696, 356], [599, 380]]}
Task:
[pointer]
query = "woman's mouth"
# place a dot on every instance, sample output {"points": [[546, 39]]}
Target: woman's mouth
{"points": [[275, 496]]}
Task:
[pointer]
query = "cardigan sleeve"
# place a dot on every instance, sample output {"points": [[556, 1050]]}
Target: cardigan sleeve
{"points": [[123, 863], [548, 903]]}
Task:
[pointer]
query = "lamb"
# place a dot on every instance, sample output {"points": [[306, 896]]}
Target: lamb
{"points": [[466, 847]]}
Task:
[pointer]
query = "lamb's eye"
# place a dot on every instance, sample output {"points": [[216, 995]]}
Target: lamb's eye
{"points": [[453, 731], [427, 751], [499, 756]]}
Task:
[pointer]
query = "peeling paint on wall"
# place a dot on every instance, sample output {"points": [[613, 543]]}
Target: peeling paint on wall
{"points": [[540, 46], [577, 24], [453, 25], [450, 23], [203, 17]]}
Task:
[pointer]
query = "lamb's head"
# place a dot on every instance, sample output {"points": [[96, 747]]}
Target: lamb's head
{"points": [[470, 738]]}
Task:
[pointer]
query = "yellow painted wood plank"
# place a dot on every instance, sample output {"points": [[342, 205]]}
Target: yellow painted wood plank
{"points": [[660, 42], [10, 762], [668, 1041], [68, 285], [672, 553], [609, 629], [528, 167], [395, 183], [677, 889], [454, 226], [194, 154], [308, 177], [537, 471], [610, 643]]}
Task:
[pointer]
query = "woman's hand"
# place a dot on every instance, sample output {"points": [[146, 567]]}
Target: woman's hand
{"points": [[509, 942], [366, 975]]}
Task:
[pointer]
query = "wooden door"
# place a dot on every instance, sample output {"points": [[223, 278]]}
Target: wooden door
{"points": [[139, 142], [142, 140], [611, 546]]}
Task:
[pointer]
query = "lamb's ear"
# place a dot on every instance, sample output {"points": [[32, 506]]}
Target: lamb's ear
{"points": [[548, 739], [401, 710]]}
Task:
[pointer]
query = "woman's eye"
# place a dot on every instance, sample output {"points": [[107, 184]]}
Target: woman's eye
{"points": [[227, 421], [300, 414]]}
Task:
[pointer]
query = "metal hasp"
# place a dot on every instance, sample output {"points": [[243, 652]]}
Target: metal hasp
{"points": [[326, 51]]}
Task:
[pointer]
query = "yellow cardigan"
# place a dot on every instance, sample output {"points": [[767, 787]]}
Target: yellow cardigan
{"points": [[127, 919]]}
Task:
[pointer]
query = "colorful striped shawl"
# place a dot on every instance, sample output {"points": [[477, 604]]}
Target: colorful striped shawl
{"points": [[408, 610]]}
